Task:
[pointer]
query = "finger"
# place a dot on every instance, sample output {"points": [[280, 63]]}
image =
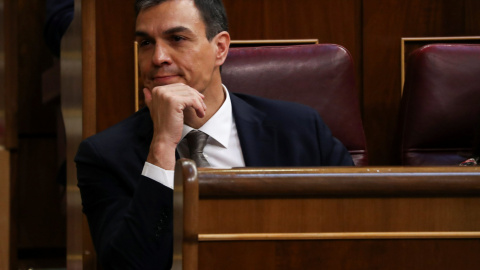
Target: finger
{"points": [[200, 108], [180, 94], [200, 113], [148, 96]]}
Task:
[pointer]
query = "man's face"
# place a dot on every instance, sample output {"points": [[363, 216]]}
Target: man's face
{"points": [[173, 47]]}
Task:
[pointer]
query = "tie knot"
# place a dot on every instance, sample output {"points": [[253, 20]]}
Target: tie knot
{"points": [[196, 141]]}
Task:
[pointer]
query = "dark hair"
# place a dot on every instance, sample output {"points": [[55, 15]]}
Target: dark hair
{"points": [[212, 11]]}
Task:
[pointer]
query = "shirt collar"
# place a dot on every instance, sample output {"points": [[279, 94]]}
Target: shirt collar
{"points": [[219, 126]]}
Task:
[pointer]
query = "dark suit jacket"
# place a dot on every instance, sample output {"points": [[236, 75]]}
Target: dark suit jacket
{"points": [[130, 216]]}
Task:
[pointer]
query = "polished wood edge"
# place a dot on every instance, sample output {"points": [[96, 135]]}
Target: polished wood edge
{"points": [[275, 41], [185, 194], [89, 71], [424, 39], [178, 216], [440, 38], [336, 236], [190, 214], [352, 169], [338, 182], [190, 198], [135, 62], [6, 196]]}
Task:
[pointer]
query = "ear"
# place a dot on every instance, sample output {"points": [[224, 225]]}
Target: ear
{"points": [[222, 43]]}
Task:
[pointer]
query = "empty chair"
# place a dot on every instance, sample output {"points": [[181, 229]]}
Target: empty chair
{"points": [[440, 108], [320, 76]]}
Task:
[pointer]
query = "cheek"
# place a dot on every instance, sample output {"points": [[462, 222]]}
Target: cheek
{"points": [[144, 60], [143, 71], [142, 65], [204, 63]]}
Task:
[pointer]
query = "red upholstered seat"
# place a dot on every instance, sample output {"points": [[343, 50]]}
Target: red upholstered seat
{"points": [[440, 108], [320, 76]]}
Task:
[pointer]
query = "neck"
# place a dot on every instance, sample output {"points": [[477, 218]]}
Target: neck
{"points": [[214, 98]]}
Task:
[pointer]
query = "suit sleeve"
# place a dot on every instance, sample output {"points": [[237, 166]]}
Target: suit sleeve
{"points": [[131, 226], [332, 151]]}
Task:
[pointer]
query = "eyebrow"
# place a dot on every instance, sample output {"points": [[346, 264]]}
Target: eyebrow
{"points": [[170, 31], [177, 29], [140, 34]]}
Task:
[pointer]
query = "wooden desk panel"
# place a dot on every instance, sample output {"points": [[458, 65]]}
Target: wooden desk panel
{"points": [[340, 200], [339, 215], [333, 218], [341, 254]]}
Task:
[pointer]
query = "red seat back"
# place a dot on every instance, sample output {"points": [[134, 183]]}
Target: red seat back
{"points": [[320, 76], [440, 109]]}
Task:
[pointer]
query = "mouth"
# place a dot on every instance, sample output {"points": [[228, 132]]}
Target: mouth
{"points": [[166, 79]]}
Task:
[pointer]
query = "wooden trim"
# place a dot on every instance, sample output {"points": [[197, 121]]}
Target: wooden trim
{"points": [[301, 183], [339, 182], [353, 169], [441, 38], [426, 39], [336, 236], [135, 68], [89, 71], [275, 41], [190, 215], [5, 210], [185, 192]]}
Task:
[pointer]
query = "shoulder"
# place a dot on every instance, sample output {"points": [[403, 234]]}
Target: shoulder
{"points": [[121, 137], [136, 123], [284, 111]]}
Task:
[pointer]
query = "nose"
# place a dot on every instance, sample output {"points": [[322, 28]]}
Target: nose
{"points": [[161, 55]]}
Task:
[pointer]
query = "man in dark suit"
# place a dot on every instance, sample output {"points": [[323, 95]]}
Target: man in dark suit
{"points": [[125, 173]]}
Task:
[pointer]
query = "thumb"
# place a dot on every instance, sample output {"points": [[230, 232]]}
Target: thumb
{"points": [[148, 96]]}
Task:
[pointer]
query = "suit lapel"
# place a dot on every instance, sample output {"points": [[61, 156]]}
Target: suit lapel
{"points": [[257, 136]]}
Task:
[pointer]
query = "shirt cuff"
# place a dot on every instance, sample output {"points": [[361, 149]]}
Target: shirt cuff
{"points": [[164, 177]]}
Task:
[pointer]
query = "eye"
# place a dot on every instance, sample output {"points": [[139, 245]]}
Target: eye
{"points": [[144, 43], [177, 38]]}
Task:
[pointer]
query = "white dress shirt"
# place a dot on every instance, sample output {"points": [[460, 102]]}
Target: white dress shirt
{"points": [[223, 148]]}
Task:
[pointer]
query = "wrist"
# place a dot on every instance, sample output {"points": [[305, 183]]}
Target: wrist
{"points": [[162, 155]]}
